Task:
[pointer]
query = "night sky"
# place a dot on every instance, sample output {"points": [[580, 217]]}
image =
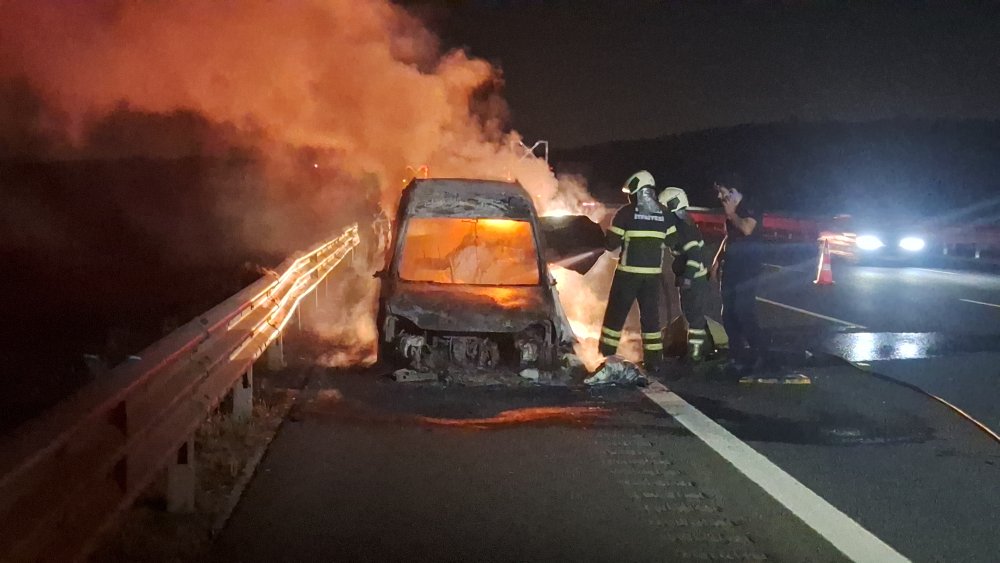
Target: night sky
{"points": [[580, 72]]}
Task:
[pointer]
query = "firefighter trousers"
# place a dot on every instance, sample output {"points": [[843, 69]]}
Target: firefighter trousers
{"points": [[694, 304], [626, 289]]}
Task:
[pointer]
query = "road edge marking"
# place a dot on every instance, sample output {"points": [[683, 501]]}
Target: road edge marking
{"points": [[936, 271], [846, 535], [980, 303], [810, 313]]}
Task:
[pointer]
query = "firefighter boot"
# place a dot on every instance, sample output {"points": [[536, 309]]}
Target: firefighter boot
{"points": [[696, 344]]}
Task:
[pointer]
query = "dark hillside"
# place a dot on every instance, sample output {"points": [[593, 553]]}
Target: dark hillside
{"points": [[906, 166]]}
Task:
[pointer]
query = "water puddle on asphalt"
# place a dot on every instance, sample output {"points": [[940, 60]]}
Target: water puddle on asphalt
{"points": [[875, 346], [823, 428]]}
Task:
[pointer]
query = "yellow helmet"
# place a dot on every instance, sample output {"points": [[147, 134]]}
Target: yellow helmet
{"points": [[637, 181], [673, 198]]}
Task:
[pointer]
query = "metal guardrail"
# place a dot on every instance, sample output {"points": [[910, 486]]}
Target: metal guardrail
{"points": [[973, 241], [65, 475]]}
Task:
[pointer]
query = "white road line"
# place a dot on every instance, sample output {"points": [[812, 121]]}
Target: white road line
{"points": [[939, 271], [857, 543], [810, 313], [775, 266], [981, 303]]}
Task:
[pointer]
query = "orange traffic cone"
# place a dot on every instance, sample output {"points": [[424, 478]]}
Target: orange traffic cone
{"points": [[824, 274]]}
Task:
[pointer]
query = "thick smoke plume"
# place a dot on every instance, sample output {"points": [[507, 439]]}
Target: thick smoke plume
{"points": [[290, 119], [361, 82], [348, 323]]}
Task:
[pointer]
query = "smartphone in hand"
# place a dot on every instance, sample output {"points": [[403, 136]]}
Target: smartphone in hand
{"points": [[722, 191]]}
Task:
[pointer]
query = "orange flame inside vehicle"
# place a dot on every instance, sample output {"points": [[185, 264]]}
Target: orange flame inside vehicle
{"points": [[507, 297], [469, 251], [505, 226]]}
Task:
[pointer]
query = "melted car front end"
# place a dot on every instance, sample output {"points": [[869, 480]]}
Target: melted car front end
{"points": [[466, 286]]}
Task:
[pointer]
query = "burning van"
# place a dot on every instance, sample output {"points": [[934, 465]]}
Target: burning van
{"points": [[465, 284]]}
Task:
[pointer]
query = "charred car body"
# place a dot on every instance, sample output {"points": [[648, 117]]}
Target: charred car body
{"points": [[465, 283]]}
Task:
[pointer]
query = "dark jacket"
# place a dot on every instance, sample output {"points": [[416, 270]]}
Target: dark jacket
{"points": [[689, 251], [642, 237]]}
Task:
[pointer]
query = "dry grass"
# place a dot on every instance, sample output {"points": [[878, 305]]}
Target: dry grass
{"points": [[223, 447]]}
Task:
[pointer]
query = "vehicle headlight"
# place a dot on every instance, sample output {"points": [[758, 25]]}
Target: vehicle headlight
{"points": [[869, 242], [912, 244]]}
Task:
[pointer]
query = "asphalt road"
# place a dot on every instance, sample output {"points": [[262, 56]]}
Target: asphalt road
{"points": [[922, 476], [936, 329], [902, 465], [367, 469], [883, 299]]}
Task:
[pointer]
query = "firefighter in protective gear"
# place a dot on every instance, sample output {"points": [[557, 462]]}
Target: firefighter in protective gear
{"points": [[690, 273], [641, 230]]}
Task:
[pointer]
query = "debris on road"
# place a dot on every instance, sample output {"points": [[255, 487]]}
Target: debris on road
{"points": [[572, 363], [411, 375], [571, 371], [527, 377], [617, 370]]}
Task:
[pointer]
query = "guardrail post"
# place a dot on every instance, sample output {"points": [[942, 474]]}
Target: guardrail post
{"points": [[181, 481], [276, 354], [243, 396], [132, 432]]}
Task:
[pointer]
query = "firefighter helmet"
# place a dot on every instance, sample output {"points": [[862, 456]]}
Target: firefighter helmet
{"points": [[637, 181], [674, 199]]}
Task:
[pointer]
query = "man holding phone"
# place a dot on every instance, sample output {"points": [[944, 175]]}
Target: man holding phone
{"points": [[740, 257]]}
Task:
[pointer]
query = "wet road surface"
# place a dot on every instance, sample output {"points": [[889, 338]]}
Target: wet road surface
{"points": [[935, 329], [366, 469], [883, 299], [899, 463]]}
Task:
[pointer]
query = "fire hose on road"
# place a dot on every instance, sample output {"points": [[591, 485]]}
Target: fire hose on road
{"points": [[66, 474]]}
